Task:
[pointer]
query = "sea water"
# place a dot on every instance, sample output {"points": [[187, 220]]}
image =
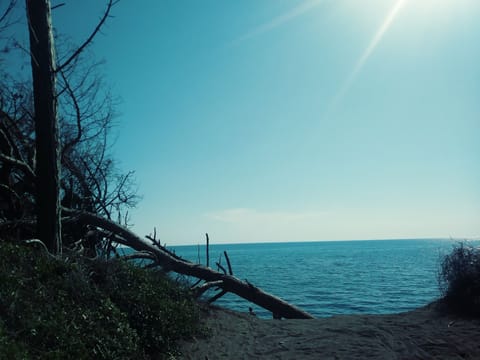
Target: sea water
{"points": [[333, 277]]}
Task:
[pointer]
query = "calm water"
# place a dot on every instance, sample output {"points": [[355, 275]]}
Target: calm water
{"points": [[328, 278]]}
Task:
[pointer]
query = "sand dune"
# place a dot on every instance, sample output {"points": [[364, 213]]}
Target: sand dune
{"points": [[419, 334]]}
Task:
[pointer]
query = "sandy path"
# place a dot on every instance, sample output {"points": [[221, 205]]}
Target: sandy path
{"points": [[420, 334]]}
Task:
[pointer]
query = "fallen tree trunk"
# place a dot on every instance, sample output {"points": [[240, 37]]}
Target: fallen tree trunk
{"points": [[170, 262]]}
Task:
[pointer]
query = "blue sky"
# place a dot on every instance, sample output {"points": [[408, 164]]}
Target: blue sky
{"points": [[276, 120]]}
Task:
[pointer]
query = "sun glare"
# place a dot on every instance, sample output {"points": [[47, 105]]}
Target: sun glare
{"points": [[387, 22]]}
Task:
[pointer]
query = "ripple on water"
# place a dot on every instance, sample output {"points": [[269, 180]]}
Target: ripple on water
{"points": [[328, 278]]}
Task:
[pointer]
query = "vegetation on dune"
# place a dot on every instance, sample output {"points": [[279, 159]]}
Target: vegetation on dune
{"points": [[75, 308], [459, 280]]}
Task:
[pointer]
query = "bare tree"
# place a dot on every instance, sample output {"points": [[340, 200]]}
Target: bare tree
{"points": [[89, 180], [87, 118]]}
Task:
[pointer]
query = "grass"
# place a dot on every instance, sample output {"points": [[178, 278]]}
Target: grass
{"points": [[74, 308]]}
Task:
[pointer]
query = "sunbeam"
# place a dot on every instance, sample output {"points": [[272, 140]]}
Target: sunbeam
{"points": [[367, 53], [301, 9]]}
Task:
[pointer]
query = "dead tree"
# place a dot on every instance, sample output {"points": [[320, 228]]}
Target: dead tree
{"points": [[170, 262], [46, 124], [89, 179]]}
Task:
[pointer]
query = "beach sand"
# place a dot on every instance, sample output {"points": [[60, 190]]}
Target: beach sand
{"points": [[420, 334]]}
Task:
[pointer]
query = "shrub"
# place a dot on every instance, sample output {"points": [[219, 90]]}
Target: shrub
{"points": [[459, 280], [81, 309], [51, 312], [10, 349], [159, 309]]}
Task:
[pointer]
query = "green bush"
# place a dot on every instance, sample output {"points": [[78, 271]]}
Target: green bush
{"points": [[460, 280], [82, 309], [48, 305], [160, 310], [10, 349]]}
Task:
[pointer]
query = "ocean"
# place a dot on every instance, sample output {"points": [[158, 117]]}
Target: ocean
{"points": [[334, 277]]}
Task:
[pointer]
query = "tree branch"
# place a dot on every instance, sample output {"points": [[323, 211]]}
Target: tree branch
{"points": [[217, 296], [20, 164], [200, 290], [230, 271], [220, 267], [90, 38], [78, 119], [144, 255]]}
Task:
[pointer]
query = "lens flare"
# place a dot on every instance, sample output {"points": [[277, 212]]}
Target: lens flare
{"points": [[297, 11], [367, 53]]}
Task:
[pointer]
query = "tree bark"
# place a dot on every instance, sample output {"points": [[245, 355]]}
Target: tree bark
{"points": [[46, 124], [169, 262]]}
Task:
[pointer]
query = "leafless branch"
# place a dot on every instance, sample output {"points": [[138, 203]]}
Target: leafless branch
{"points": [[200, 290], [144, 255], [57, 6], [41, 243], [19, 164], [5, 15], [230, 271], [207, 250], [77, 52], [8, 138], [217, 296], [78, 116], [220, 267]]}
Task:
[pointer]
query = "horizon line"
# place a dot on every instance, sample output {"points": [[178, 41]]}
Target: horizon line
{"points": [[339, 240]]}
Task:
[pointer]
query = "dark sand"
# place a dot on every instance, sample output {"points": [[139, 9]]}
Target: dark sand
{"points": [[419, 334]]}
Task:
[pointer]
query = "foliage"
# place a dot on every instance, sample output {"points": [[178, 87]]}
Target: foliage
{"points": [[459, 279], [171, 313], [10, 349], [74, 308]]}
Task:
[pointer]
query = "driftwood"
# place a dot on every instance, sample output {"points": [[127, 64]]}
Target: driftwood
{"points": [[171, 262]]}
